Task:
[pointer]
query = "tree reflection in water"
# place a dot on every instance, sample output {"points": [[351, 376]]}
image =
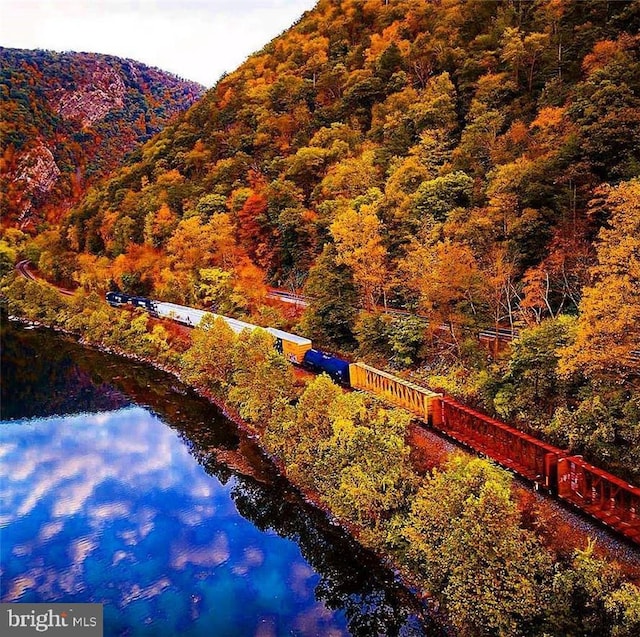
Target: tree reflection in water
{"points": [[45, 374]]}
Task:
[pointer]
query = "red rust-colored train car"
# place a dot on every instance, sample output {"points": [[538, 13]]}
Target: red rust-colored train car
{"points": [[602, 495], [596, 492], [532, 458]]}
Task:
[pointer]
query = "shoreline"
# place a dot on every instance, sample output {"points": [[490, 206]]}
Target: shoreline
{"points": [[404, 578], [426, 602], [396, 550]]}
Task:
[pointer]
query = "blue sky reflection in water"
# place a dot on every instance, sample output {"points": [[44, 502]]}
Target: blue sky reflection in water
{"points": [[112, 508]]}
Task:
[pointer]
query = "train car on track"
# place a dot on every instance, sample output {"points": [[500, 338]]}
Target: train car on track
{"points": [[532, 458], [291, 346], [180, 313], [118, 299], [606, 497], [335, 367], [418, 400]]}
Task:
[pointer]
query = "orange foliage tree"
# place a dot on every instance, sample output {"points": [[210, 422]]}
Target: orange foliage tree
{"points": [[609, 321]]}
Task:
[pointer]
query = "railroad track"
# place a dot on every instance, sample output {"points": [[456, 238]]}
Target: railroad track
{"points": [[606, 498], [500, 334], [599, 494], [22, 268], [287, 297]]}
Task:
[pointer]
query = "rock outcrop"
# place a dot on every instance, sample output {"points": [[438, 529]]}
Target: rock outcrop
{"points": [[37, 173], [100, 91]]}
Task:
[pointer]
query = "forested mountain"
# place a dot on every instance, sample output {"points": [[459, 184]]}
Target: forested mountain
{"points": [[71, 118], [474, 161], [483, 130]]}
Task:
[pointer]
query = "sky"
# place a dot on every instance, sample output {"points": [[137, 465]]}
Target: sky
{"points": [[195, 39]]}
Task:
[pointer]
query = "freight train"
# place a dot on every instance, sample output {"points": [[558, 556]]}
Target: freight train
{"points": [[607, 498], [294, 348]]}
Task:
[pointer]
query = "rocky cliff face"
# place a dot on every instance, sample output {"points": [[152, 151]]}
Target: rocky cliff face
{"points": [[69, 119], [36, 174], [101, 89]]}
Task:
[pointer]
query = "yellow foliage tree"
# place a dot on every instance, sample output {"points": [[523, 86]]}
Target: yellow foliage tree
{"points": [[93, 273], [195, 245], [350, 177], [359, 245], [609, 321], [159, 225], [449, 284]]}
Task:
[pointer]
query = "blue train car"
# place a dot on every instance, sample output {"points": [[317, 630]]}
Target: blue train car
{"points": [[141, 301], [118, 299], [336, 368]]}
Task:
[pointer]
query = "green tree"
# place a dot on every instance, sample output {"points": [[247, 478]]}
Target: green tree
{"points": [[262, 378], [208, 361], [406, 338], [464, 539], [623, 605], [590, 598], [437, 197], [7, 258], [211, 204], [296, 434], [331, 314], [307, 166], [532, 388], [373, 462], [604, 425], [372, 333]]}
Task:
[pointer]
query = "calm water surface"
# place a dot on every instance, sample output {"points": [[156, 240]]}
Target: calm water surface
{"points": [[120, 486]]}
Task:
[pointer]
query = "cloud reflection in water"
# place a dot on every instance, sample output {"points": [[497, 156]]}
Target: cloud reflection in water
{"points": [[112, 508]]}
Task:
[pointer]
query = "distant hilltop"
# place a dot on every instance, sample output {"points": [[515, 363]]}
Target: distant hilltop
{"points": [[71, 118]]}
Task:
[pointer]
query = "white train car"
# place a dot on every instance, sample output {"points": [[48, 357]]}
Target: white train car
{"points": [[179, 313], [291, 346]]}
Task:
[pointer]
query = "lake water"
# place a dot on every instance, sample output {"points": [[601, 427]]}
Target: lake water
{"points": [[122, 487]]}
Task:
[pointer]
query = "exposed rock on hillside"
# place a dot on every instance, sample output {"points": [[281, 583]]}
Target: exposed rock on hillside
{"points": [[101, 91], [37, 173]]}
